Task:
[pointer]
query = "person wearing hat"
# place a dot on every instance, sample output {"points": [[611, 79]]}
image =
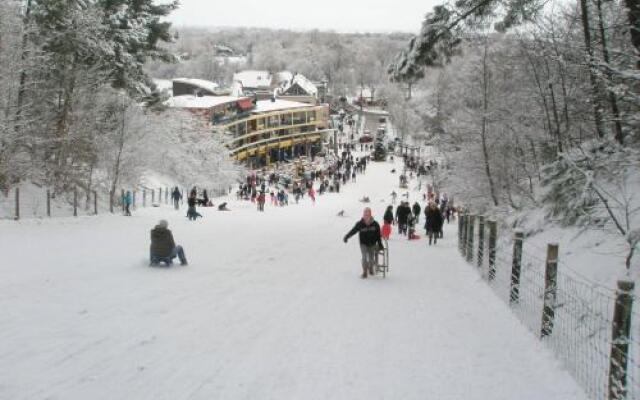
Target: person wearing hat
{"points": [[163, 247]]}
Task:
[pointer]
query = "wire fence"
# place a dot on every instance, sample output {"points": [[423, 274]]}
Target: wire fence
{"points": [[32, 201], [591, 328]]}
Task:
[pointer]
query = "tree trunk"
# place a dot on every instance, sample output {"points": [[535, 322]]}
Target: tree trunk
{"points": [[633, 7], [23, 57], [485, 108], [597, 108], [617, 125], [556, 118]]}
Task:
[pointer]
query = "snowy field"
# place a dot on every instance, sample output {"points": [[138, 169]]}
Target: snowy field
{"points": [[270, 307]]}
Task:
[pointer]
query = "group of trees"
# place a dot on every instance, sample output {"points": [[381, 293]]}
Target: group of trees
{"points": [[542, 114], [77, 108], [346, 61]]}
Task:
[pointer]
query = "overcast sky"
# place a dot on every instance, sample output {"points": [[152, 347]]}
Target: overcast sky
{"points": [[337, 15]]}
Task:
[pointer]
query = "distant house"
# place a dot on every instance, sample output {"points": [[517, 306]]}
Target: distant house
{"points": [[223, 50], [254, 81], [214, 108], [195, 87], [299, 88]]}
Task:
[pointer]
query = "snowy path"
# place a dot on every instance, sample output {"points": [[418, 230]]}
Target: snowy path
{"points": [[271, 307]]}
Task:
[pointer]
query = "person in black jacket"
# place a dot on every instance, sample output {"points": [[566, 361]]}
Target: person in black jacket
{"points": [[402, 216], [370, 241], [388, 216], [434, 222], [416, 212]]}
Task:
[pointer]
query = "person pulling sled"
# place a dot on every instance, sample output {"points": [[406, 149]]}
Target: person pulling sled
{"points": [[370, 241]]}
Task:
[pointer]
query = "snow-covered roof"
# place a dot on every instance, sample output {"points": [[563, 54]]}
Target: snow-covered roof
{"points": [[201, 83], [263, 106], [253, 79], [163, 84], [189, 101], [283, 78], [233, 60], [304, 83], [366, 93]]}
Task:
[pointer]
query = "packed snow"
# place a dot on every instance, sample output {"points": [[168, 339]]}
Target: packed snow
{"points": [[271, 306]]}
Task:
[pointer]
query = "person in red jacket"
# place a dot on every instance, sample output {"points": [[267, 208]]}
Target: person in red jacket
{"points": [[370, 241]]}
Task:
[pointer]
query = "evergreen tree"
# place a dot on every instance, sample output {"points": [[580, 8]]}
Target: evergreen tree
{"points": [[379, 149], [135, 30]]}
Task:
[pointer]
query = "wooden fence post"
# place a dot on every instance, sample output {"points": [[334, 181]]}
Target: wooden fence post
{"points": [[493, 237], [465, 233], [75, 202], [48, 203], [153, 196], [17, 217], [480, 241], [550, 290], [160, 196], [516, 267], [166, 195], [460, 231], [471, 232], [95, 202], [621, 329]]}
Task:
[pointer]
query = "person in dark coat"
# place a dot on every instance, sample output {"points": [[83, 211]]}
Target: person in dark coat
{"points": [[402, 217], [434, 222], [370, 241], [176, 196], [388, 221], [416, 212], [192, 214], [163, 247]]}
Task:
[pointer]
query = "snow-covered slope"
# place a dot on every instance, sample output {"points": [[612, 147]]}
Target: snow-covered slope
{"points": [[270, 307]]}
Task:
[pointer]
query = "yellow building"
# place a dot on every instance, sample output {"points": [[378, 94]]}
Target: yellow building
{"points": [[275, 130]]}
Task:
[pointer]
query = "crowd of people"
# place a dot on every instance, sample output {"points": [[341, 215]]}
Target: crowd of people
{"points": [[279, 187]]}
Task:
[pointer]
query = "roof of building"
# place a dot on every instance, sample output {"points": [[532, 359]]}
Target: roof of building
{"points": [[283, 78], [304, 83], [201, 83], [253, 79], [263, 106], [163, 84], [189, 101]]}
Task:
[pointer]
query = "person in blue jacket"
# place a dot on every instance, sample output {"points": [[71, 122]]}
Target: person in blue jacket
{"points": [[127, 200]]}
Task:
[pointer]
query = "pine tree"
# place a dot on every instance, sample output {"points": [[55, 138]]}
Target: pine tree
{"points": [[379, 149], [135, 30]]}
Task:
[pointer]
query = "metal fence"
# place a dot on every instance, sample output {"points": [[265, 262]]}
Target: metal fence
{"points": [[592, 329], [35, 202]]}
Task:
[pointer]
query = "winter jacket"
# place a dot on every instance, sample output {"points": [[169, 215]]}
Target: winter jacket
{"points": [[176, 195], [191, 201], [369, 234], [388, 216], [128, 198], [402, 213], [162, 243], [434, 220], [416, 209]]}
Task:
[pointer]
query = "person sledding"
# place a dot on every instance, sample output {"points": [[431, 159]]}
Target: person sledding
{"points": [[163, 248], [370, 241]]}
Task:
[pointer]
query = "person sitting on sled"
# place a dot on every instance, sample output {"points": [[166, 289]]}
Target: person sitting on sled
{"points": [[163, 247]]}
